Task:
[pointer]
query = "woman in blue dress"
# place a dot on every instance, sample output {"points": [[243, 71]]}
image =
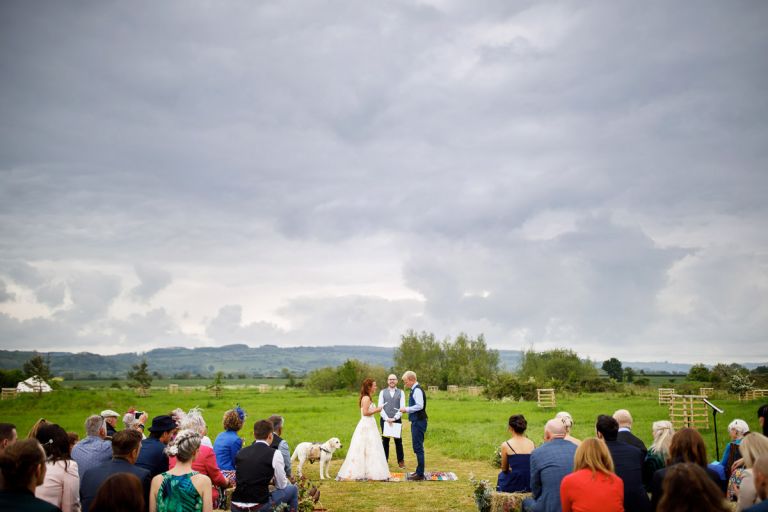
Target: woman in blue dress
{"points": [[515, 475]]}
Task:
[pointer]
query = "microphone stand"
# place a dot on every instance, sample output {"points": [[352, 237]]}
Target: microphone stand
{"points": [[715, 410]]}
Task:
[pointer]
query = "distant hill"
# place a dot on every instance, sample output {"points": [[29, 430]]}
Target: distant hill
{"points": [[266, 360]]}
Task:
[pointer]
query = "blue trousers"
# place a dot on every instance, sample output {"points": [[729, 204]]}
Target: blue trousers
{"points": [[418, 429]]}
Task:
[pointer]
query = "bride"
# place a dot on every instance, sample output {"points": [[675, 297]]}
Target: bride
{"points": [[365, 458]]}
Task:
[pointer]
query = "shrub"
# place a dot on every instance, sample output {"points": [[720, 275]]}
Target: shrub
{"points": [[507, 385]]}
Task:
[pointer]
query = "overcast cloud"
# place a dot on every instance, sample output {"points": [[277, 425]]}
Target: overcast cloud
{"points": [[589, 175]]}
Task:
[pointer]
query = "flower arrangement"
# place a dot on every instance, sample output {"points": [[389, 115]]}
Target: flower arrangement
{"points": [[496, 458], [482, 493]]}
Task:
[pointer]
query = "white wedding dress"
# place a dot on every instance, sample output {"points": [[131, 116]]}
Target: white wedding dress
{"points": [[365, 458]]}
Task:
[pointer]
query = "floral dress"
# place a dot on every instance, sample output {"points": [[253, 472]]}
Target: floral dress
{"points": [[178, 494]]}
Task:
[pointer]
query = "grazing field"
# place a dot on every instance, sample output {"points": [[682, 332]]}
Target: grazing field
{"points": [[463, 431], [163, 383]]}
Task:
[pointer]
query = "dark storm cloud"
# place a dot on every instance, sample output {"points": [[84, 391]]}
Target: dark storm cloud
{"points": [[211, 136]]}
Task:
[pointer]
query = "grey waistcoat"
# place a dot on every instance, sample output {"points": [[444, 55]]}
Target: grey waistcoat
{"points": [[393, 404]]}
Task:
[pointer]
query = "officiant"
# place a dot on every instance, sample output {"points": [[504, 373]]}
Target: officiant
{"points": [[392, 399]]}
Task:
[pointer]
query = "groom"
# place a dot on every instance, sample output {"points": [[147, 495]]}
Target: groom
{"points": [[417, 414]]}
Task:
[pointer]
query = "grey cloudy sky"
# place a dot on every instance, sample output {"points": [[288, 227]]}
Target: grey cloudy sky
{"points": [[589, 175]]}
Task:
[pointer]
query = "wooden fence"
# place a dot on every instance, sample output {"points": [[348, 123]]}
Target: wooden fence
{"points": [[9, 393]]}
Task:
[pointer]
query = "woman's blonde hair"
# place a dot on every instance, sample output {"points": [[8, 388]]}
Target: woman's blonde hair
{"points": [[662, 437], [566, 418], [593, 454], [753, 446]]}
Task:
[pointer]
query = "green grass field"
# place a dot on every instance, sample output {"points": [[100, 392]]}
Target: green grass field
{"points": [[163, 383], [463, 431]]}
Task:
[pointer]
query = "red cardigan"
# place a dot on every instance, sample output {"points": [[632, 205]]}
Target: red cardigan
{"points": [[205, 464], [581, 491]]}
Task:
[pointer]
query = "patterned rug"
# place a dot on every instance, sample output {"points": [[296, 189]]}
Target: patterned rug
{"points": [[432, 476]]}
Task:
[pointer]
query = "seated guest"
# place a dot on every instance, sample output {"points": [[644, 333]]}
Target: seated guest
{"points": [[134, 422], [74, 438], [762, 412], [110, 418], [687, 446], [568, 422], [278, 443], [256, 466], [120, 492], [228, 443], [688, 488], [61, 486], [205, 460], [628, 463], [624, 419], [550, 463], [515, 475], [658, 453], [593, 485], [736, 430], [94, 449], [194, 420], [181, 488], [32, 434], [752, 447], [152, 456], [23, 468], [125, 450], [760, 473], [8, 435]]}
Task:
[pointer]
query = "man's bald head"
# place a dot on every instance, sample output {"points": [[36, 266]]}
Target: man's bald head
{"points": [[554, 429], [624, 418]]}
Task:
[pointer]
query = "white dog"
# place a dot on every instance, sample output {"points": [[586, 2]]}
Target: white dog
{"points": [[316, 451]]}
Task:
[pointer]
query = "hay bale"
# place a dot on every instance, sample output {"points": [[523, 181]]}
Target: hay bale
{"points": [[508, 501]]}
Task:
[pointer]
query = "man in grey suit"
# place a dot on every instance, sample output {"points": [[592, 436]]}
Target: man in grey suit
{"points": [[550, 463]]}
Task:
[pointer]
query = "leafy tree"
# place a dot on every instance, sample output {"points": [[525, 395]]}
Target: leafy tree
{"points": [[740, 383], [561, 364], [699, 373], [422, 354], [629, 374], [613, 368], [38, 366], [140, 375], [217, 385], [348, 376], [463, 361], [721, 373], [10, 378]]}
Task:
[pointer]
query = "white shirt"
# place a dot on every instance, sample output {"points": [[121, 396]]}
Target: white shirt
{"points": [[279, 466], [390, 393], [418, 397]]}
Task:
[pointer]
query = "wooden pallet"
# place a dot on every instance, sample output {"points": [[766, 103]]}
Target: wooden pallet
{"points": [[665, 395], [545, 397], [689, 411], [9, 393], [452, 388], [474, 390], [173, 389], [432, 389], [706, 392]]}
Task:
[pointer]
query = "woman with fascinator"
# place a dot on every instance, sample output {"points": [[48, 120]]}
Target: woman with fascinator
{"points": [[181, 489], [228, 443]]}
